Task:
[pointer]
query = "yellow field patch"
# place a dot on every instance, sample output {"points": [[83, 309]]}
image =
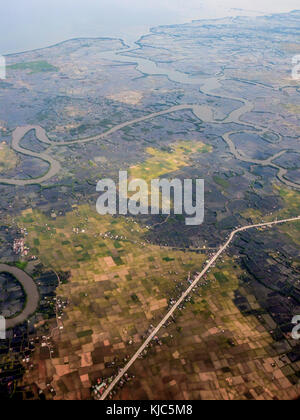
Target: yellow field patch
{"points": [[162, 162]]}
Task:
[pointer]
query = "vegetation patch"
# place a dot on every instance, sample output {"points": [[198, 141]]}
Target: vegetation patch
{"points": [[8, 158], [83, 334], [221, 181], [34, 67]]}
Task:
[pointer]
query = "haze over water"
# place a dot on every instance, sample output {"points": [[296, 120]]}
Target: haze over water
{"points": [[33, 24]]}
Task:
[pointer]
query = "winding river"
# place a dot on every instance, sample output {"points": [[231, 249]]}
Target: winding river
{"points": [[203, 112], [31, 292]]}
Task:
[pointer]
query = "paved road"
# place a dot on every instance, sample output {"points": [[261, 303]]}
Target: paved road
{"points": [[31, 291], [185, 294]]}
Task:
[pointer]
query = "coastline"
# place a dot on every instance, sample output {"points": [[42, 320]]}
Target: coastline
{"points": [[152, 29]]}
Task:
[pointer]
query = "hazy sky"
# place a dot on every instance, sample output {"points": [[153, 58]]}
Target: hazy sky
{"points": [[28, 24]]}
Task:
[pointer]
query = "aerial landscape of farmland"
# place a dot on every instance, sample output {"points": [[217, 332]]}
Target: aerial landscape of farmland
{"points": [[147, 306]]}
